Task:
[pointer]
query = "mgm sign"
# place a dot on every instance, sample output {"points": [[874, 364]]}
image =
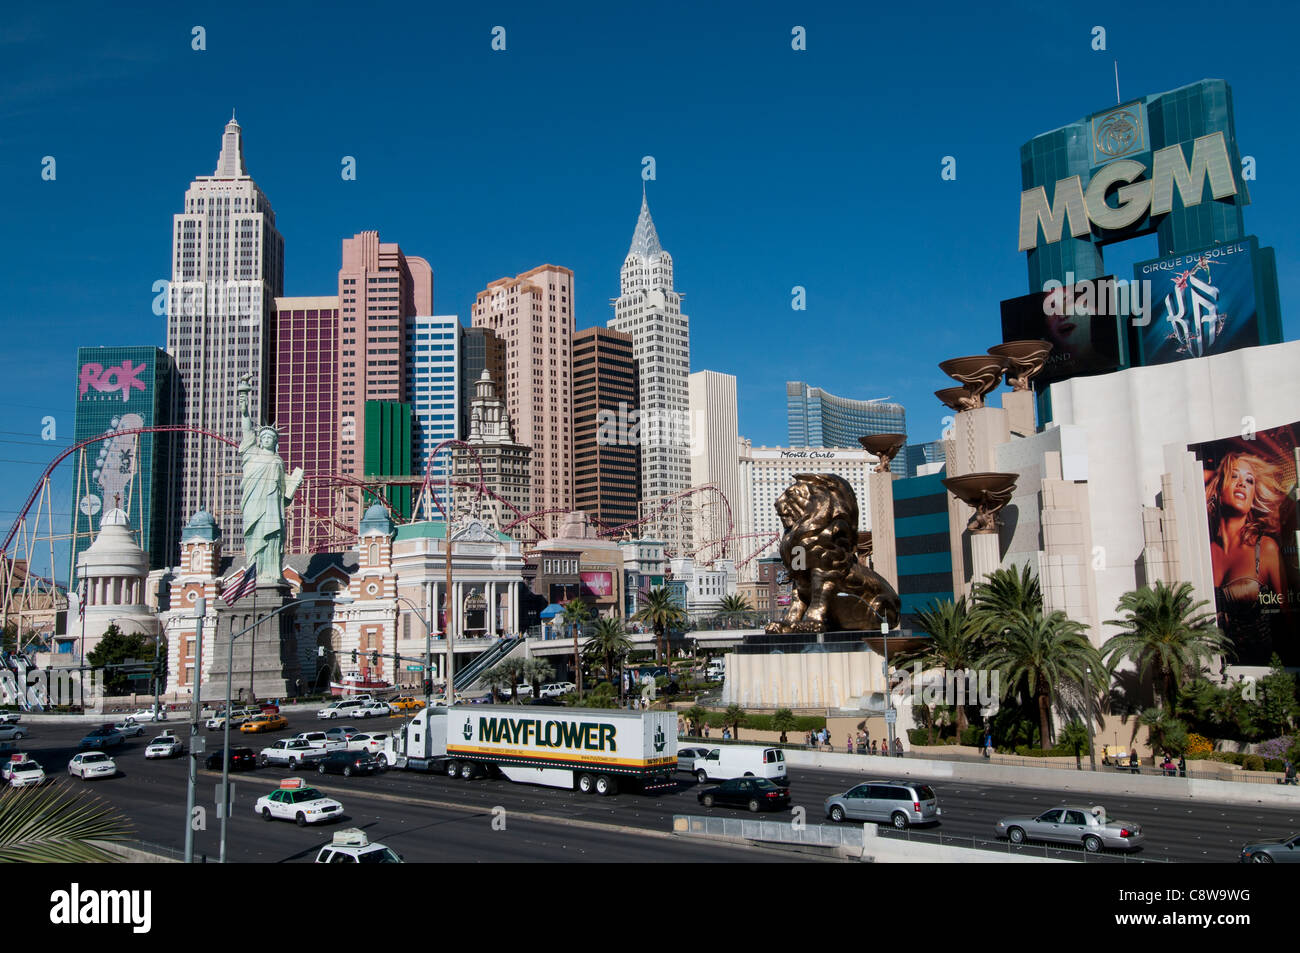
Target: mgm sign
{"points": [[1166, 163]]}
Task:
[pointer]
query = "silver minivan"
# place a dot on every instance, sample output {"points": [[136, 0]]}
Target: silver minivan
{"points": [[900, 803]]}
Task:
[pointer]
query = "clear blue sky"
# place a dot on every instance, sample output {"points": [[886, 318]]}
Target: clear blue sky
{"points": [[775, 168]]}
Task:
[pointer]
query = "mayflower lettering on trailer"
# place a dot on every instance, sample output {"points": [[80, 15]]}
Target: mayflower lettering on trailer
{"points": [[586, 735]]}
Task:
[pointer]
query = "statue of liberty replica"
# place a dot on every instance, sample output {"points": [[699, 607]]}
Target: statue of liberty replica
{"points": [[264, 661], [266, 493]]}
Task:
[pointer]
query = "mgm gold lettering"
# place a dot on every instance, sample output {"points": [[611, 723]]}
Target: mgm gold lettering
{"points": [[587, 735], [1169, 170]]}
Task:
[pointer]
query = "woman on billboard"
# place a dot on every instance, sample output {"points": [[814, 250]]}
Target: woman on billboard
{"points": [[1243, 498]]}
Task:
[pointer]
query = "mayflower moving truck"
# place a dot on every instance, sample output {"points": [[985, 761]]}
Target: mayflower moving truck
{"points": [[590, 749]]}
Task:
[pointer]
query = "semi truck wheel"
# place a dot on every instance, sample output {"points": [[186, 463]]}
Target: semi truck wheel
{"points": [[453, 769], [606, 786], [467, 771], [585, 783]]}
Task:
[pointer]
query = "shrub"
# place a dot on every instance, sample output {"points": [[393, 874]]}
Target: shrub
{"points": [[1274, 764], [1198, 744], [973, 736], [1026, 751], [1277, 747], [1252, 762], [919, 737]]}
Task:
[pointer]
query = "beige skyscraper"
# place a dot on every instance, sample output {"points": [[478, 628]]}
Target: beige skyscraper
{"points": [[227, 269], [649, 309], [533, 314], [715, 458]]}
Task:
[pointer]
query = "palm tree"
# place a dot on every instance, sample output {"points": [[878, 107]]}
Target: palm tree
{"points": [[575, 614], [497, 678], [735, 717], [55, 825], [1165, 733], [1166, 633], [695, 715], [1075, 735], [783, 720], [1035, 654], [954, 644], [535, 671], [733, 606], [1003, 593], [659, 609], [610, 644], [512, 673]]}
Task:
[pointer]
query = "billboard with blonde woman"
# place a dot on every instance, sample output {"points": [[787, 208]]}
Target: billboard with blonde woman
{"points": [[1250, 505]]}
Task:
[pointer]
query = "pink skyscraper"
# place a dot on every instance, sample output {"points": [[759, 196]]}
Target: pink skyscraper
{"points": [[379, 289]]}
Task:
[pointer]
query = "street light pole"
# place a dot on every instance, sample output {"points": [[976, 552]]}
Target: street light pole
{"points": [[889, 699], [230, 665], [448, 626], [200, 610], [428, 650], [1087, 694]]}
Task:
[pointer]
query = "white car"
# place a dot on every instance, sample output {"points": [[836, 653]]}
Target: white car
{"points": [[352, 846], [299, 803], [237, 718], [525, 691], [373, 743], [345, 709], [91, 764], [21, 772], [148, 714], [556, 689], [293, 752], [12, 732], [130, 728], [373, 709], [10, 717], [165, 746], [322, 740]]}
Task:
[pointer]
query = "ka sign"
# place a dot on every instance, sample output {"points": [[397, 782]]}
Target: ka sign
{"points": [[110, 381], [1135, 195]]}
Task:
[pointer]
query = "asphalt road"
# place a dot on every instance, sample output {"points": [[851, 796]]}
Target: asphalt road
{"points": [[430, 817]]}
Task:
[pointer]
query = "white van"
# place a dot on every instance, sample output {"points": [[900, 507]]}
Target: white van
{"points": [[741, 761]]}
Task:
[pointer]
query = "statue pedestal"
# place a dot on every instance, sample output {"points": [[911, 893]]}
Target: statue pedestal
{"points": [[984, 555], [265, 663], [1019, 406]]}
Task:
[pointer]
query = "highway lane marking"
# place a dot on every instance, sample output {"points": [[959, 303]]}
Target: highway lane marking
{"points": [[526, 815]]}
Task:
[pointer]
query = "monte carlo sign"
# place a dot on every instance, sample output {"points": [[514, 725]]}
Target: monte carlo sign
{"points": [[1140, 191]]}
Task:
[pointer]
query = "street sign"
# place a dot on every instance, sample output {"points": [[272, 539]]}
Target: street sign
{"points": [[139, 676], [891, 716], [415, 668]]}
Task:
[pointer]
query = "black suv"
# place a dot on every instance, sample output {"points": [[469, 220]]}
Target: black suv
{"points": [[348, 763], [240, 759]]}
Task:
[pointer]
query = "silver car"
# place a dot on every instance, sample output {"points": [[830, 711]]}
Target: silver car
{"points": [[900, 803], [1072, 824], [686, 758]]}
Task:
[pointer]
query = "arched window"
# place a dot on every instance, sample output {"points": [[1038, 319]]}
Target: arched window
{"points": [[374, 554]]}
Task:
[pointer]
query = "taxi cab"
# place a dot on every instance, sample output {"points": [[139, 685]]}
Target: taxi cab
{"points": [[260, 723], [406, 703], [352, 846], [20, 771], [294, 801]]}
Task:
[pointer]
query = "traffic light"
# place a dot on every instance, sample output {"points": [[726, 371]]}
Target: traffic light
{"points": [[428, 686], [374, 658], [354, 656]]}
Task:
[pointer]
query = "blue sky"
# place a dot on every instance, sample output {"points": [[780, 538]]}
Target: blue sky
{"points": [[775, 168]]}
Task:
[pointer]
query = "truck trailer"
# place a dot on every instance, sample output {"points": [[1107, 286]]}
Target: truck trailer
{"points": [[587, 749]]}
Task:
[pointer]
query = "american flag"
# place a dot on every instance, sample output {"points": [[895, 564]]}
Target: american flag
{"points": [[240, 585]]}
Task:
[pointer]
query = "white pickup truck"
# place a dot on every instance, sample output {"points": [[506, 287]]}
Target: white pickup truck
{"points": [[293, 752], [319, 739]]}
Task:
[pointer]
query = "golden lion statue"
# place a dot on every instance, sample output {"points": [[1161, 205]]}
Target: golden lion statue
{"points": [[831, 590]]}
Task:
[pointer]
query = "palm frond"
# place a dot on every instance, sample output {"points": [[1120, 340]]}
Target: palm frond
{"points": [[53, 824]]}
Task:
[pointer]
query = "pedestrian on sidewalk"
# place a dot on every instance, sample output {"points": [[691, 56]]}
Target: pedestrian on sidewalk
{"points": [[874, 749], [988, 744], [898, 747], [848, 747]]}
